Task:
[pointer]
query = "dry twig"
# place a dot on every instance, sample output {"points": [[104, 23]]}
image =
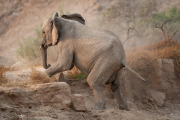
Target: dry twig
{"points": [[128, 35], [166, 33]]}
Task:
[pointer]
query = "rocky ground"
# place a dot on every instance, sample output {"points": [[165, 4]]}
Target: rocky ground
{"points": [[73, 100]]}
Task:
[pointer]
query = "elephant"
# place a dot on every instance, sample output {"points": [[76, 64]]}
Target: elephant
{"points": [[98, 54]]}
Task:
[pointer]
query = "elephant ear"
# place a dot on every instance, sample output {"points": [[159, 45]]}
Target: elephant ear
{"points": [[75, 16], [54, 30]]}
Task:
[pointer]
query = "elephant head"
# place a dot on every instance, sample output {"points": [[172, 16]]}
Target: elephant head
{"points": [[51, 33]]}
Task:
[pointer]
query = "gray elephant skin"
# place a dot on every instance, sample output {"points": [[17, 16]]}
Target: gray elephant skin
{"points": [[99, 54]]}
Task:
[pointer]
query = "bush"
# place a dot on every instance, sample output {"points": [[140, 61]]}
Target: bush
{"points": [[29, 47], [162, 16]]}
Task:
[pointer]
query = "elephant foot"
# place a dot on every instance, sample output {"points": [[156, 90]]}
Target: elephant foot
{"points": [[125, 107], [99, 106]]}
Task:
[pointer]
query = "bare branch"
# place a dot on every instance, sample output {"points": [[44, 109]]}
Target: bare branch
{"points": [[163, 23], [128, 36], [128, 39], [174, 34], [162, 28]]}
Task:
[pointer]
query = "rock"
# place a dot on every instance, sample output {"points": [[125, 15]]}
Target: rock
{"points": [[156, 96], [61, 77], [55, 94], [58, 94], [78, 102], [166, 74], [167, 79]]}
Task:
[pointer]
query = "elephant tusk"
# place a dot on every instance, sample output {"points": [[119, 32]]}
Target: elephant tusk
{"points": [[40, 47]]}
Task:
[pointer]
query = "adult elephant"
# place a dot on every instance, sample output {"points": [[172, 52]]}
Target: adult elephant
{"points": [[98, 54]]}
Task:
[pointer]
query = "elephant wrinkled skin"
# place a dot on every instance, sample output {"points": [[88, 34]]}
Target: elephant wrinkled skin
{"points": [[98, 54]]}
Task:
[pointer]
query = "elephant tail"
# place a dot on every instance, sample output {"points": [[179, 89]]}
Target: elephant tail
{"points": [[135, 73]]}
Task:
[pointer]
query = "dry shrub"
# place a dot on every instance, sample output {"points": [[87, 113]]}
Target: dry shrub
{"points": [[14, 83], [4, 82], [143, 60], [3, 69], [37, 77]]}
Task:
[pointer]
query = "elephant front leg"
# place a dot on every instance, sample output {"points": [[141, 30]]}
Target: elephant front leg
{"points": [[63, 63], [55, 68]]}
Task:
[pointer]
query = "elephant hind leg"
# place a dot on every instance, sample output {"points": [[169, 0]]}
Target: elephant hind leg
{"points": [[121, 101], [97, 78], [116, 88], [97, 87]]}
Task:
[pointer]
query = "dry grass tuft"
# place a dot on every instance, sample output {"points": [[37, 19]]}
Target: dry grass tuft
{"points": [[3, 69], [37, 77]]}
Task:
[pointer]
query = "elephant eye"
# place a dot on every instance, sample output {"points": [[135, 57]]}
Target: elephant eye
{"points": [[43, 32]]}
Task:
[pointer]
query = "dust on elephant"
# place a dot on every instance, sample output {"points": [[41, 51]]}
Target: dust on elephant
{"points": [[98, 54]]}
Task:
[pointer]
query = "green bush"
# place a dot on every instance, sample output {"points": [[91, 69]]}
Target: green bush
{"points": [[173, 13], [28, 48]]}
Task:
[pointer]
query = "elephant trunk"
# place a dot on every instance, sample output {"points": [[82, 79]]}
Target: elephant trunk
{"points": [[44, 56]]}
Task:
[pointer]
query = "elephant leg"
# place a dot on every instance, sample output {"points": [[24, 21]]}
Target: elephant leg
{"points": [[53, 69], [98, 95], [63, 63], [97, 88], [97, 78], [120, 99]]}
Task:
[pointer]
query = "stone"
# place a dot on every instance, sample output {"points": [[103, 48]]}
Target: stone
{"points": [[78, 102], [156, 96], [55, 94], [166, 73], [168, 81]]}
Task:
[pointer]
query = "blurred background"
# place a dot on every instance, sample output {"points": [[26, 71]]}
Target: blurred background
{"points": [[21, 21]]}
